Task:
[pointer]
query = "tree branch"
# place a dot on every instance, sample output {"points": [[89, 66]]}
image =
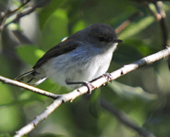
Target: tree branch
{"points": [[160, 15], [59, 99], [21, 14], [120, 115], [127, 22], [163, 25], [28, 87], [8, 13]]}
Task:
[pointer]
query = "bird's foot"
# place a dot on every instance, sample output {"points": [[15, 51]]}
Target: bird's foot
{"points": [[85, 83]]}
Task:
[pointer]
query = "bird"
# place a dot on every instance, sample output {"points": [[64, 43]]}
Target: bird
{"points": [[80, 58]]}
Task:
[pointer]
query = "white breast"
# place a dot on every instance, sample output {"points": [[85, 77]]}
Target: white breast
{"points": [[75, 68]]}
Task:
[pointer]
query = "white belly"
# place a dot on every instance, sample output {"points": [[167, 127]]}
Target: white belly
{"points": [[75, 68]]}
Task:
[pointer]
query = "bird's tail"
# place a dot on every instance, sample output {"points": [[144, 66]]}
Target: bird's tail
{"points": [[31, 77]]}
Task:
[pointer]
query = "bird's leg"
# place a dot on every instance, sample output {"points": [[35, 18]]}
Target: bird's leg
{"points": [[106, 75], [85, 83]]}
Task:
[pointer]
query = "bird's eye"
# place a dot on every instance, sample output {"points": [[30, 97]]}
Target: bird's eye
{"points": [[101, 39]]}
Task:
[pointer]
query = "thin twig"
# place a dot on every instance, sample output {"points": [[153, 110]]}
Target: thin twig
{"points": [[23, 39], [9, 13], [22, 5], [127, 22], [120, 115], [29, 127], [96, 84], [163, 24], [156, 15], [28, 87], [160, 16], [22, 14]]}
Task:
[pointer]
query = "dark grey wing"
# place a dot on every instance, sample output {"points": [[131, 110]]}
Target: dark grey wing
{"points": [[62, 48]]}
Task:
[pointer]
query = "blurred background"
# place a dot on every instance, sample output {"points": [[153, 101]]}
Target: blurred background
{"points": [[28, 28]]}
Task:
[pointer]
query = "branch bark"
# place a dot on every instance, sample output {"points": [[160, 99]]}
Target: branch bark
{"points": [[59, 99], [28, 87]]}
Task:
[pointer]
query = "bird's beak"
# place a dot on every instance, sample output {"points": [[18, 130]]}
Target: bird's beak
{"points": [[117, 40]]}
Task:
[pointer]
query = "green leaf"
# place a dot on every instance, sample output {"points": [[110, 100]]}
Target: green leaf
{"points": [[79, 26], [49, 10], [126, 54], [6, 95], [131, 50], [135, 28], [94, 107], [131, 92], [5, 135], [103, 10], [140, 46], [29, 53], [4, 69], [55, 29], [10, 118], [50, 135]]}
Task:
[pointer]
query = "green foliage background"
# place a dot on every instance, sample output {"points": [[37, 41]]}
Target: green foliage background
{"points": [[143, 94]]}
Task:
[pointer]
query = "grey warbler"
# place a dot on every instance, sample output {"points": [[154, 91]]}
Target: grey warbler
{"points": [[83, 56]]}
